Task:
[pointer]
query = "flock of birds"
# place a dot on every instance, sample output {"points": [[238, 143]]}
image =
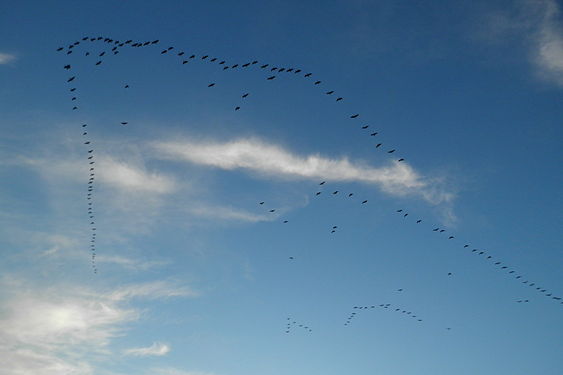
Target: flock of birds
{"points": [[113, 47], [292, 323], [387, 306]]}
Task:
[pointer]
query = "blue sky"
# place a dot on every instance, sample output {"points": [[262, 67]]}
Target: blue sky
{"points": [[194, 276]]}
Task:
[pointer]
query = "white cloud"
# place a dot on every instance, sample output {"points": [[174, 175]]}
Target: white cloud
{"points": [[156, 349], [174, 371], [538, 26], [121, 175], [548, 53], [64, 330], [131, 178], [6, 58], [152, 290], [129, 263], [272, 160], [229, 214]]}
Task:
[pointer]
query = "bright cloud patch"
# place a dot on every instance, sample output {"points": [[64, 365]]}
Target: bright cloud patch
{"points": [[275, 161], [6, 58], [128, 177], [156, 349], [58, 330]]}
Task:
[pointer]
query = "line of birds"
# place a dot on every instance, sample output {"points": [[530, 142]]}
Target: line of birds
{"points": [[116, 44], [292, 323], [387, 306]]}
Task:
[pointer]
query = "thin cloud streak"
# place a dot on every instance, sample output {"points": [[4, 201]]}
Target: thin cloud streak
{"points": [[229, 214], [255, 155], [156, 349]]}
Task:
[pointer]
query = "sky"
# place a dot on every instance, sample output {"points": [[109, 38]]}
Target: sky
{"points": [[182, 271]]}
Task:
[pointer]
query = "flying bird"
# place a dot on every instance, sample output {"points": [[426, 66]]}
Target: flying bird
{"points": [[67, 67]]}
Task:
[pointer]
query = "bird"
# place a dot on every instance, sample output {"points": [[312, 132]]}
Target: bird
{"points": [[350, 194], [405, 215], [399, 290], [391, 151], [418, 221], [401, 159], [264, 66], [99, 62], [71, 79], [339, 99], [124, 123], [374, 134], [322, 183], [261, 203], [400, 210], [364, 202], [67, 67], [237, 108], [126, 86], [449, 273], [271, 78], [317, 82], [365, 126], [272, 210], [245, 95], [354, 116], [335, 192], [330, 92], [378, 145], [286, 221], [211, 85], [450, 237]]}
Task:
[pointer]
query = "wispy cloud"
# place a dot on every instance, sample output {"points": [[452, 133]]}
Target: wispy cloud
{"points": [[48, 331], [6, 58], [175, 371], [274, 161], [229, 214], [156, 349], [537, 25], [127, 177], [152, 290], [549, 43]]}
